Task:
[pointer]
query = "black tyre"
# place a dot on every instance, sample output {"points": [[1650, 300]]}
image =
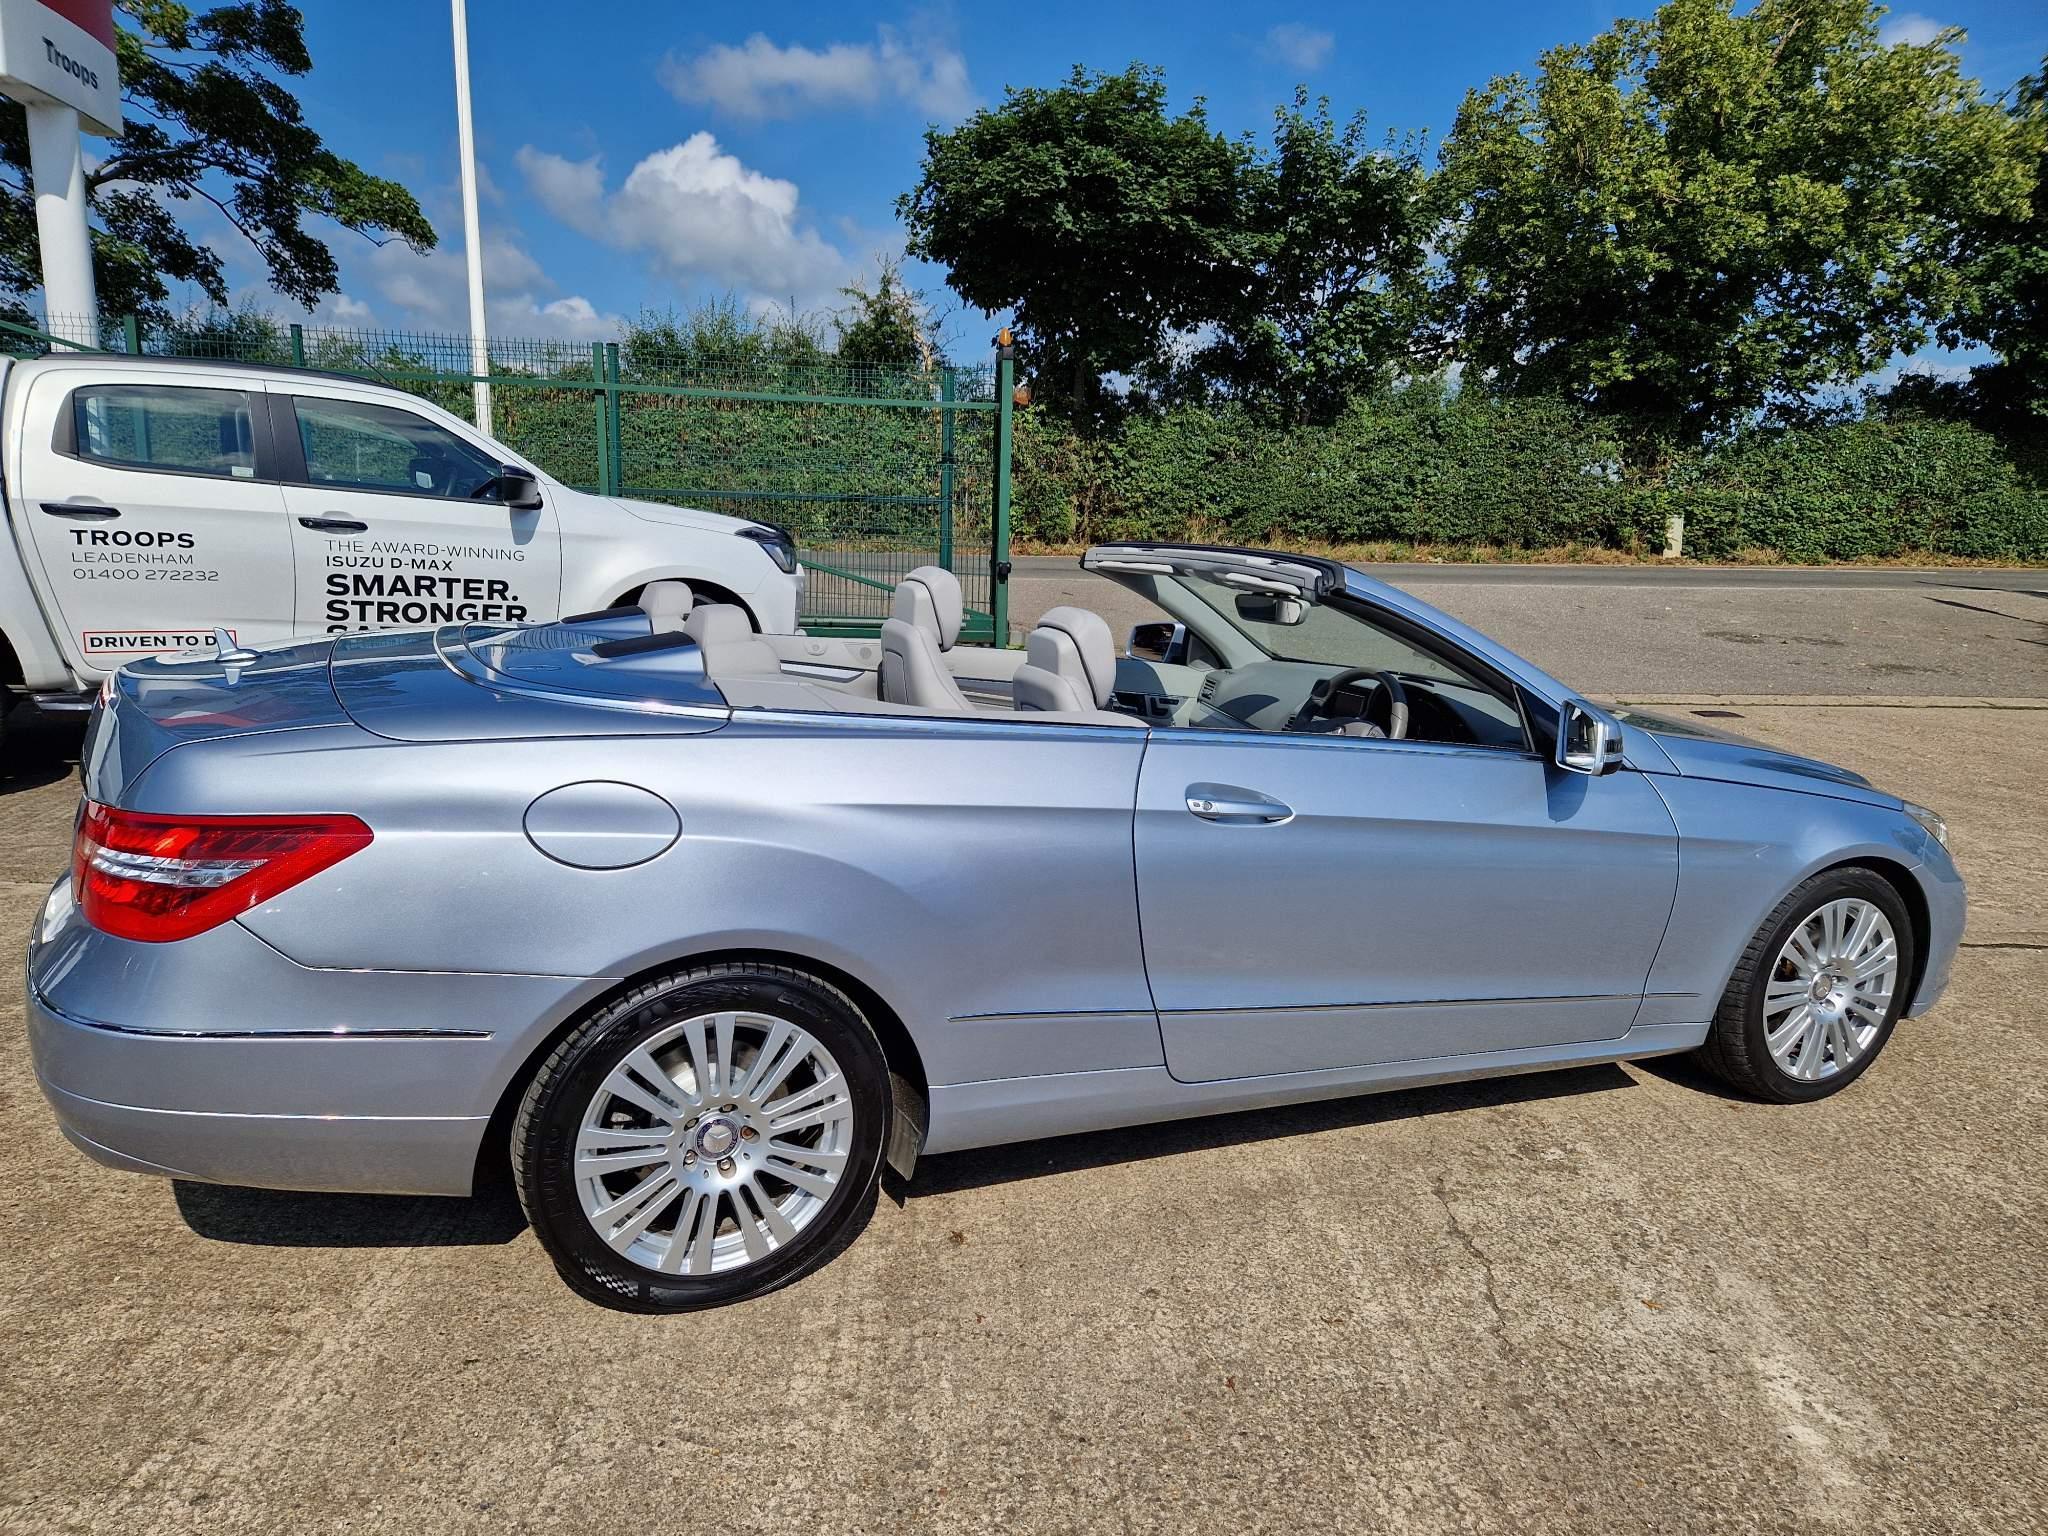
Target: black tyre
{"points": [[1817, 991], [709, 1136]]}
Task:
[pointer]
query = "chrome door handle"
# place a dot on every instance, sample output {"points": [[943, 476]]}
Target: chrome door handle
{"points": [[334, 524], [83, 511], [1228, 804]]}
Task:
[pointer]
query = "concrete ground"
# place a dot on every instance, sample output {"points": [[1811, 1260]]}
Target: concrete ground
{"points": [[1609, 1299]]}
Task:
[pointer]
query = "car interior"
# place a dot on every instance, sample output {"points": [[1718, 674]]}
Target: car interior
{"points": [[1255, 643]]}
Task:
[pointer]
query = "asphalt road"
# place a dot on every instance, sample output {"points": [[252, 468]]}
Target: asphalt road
{"points": [[1610, 1299], [1617, 631]]}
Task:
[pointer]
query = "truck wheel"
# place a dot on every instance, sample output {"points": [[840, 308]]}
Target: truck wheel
{"points": [[710, 1136]]}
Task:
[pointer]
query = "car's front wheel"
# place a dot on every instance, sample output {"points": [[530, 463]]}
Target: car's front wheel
{"points": [[1817, 991], [707, 1137]]}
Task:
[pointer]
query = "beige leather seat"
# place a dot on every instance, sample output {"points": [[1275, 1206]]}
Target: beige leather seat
{"points": [[924, 621], [1069, 663], [726, 636], [667, 604]]}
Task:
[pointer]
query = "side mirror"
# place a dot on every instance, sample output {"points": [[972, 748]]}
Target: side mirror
{"points": [[1588, 741], [1163, 641], [518, 490]]}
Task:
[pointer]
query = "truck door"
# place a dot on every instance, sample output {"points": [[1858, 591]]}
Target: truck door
{"points": [[151, 524], [395, 520]]}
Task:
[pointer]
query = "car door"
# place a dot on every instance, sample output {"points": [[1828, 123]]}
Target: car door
{"points": [[152, 518], [1319, 902], [395, 521]]}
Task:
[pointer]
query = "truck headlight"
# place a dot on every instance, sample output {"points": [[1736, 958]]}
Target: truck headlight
{"points": [[780, 546], [1932, 823]]}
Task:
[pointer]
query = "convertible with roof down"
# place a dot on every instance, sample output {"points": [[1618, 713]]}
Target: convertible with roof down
{"points": [[692, 929]]}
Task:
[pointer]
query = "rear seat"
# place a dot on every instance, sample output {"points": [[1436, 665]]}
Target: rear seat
{"points": [[726, 636]]}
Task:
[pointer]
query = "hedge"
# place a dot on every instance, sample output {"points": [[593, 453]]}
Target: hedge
{"points": [[1416, 466]]}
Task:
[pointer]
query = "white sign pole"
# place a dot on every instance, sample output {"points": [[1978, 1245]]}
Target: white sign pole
{"points": [[58, 59], [479, 347], [56, 161]]}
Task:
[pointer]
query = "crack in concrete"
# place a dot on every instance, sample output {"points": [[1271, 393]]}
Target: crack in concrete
{"points": [[1457, 1230], [1999, 944]]}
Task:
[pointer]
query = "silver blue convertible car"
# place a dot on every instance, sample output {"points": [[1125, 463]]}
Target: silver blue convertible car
{"points": [[694, 929]]}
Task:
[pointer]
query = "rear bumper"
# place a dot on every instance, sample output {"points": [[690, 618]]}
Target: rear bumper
{"points": [[356, 1154], [219, 1059]]}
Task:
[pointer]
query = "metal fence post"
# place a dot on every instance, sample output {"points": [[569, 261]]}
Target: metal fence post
{"points": [[599, 394], [999, 534], [948, 387], [298, 345], [617, 447], [131, 335]]}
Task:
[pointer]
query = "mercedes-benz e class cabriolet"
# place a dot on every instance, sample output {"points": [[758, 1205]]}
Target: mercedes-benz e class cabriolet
{"points": [[693, 929]]}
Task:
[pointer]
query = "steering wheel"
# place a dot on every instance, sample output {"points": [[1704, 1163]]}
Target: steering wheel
{"points": [[1314, 707]]}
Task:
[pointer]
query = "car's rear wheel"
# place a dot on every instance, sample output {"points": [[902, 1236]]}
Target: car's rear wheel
{"points": [[709, 1136], [1817, 991]]}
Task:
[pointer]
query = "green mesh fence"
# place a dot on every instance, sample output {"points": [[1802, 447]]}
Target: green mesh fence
{"points": [[873, 470]]}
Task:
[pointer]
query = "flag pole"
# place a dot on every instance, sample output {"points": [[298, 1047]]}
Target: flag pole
{"points": [[479, 346]]}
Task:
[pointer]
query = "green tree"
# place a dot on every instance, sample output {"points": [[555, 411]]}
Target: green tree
{"points": [[1338, 234], [207, 119], [1102, 223], [2006, 303], [888, 325], [1709, 213]]}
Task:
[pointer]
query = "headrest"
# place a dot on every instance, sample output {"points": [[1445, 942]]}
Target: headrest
{"points": [[1077, 645], [718, 624], [929, 597], [666, 604]]}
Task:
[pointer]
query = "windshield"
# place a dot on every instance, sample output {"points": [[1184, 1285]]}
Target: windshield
{"points": [[1325, 634]]}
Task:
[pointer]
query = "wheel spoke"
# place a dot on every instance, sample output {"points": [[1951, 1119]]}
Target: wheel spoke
{"points": [[592, 1137], [628, 1232], [1780, 1040], [751, 1236], [622, 1086], [700, 1059], [1861, 932], [1807, 1063], [812, 1183], [1780, 995], [823, 1091], [831, 1162], [768, 1075], [1804, 956], [779, 1225], [594, 1162], [722, 1030], [1882, 958], [630, 1200], [679, 1239], [699, 1261]]}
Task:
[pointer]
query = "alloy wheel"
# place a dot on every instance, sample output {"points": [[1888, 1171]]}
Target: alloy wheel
{"points": [[1829, 991], [714, 1143]]}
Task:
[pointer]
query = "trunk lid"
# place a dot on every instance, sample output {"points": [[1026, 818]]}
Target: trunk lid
{"points": [[151, 706]]}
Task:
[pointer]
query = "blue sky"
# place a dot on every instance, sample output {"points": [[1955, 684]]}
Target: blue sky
{"points": [[643, 155]]}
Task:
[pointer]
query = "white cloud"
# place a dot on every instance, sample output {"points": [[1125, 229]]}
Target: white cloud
{"points": [[1910, 27], [1297, 46], [431, 293], [761, 79], [699, 213]]}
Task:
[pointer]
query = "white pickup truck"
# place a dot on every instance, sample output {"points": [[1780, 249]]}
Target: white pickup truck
{"points": [[151, 501]]}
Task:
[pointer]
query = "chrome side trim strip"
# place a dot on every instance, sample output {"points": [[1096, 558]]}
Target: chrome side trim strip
{"points": [[338, 1032]]}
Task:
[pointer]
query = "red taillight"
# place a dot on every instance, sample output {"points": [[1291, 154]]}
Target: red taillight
{"points": [[157, 878]]}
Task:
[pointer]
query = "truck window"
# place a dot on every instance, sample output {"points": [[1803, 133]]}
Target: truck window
{"points": [[150, 426], [381, 448]]}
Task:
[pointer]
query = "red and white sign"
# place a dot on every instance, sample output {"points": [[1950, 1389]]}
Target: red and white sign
{"points": [[62, 51]]}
